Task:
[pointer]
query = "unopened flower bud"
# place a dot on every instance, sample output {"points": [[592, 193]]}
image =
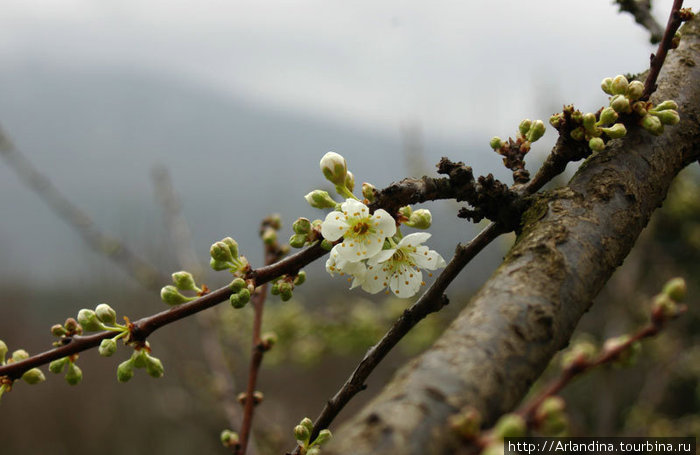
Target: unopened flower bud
{"points": [[496, 143], [3, 351], [668, 117], [323, 437], [297, 240], [320, 199], [676, 289], [550, 406], [510, 426], [106, 314], [125, 371], [536, 131], [88, 320], [555, 120], [640, 108], [139, 358], [268, 340], [285, 289], [578, 134], [269, 236], [33, 376], [236, 301], [274, 221], [301, 434], [635, 90], [58, 330], [627, 356], [232, 246], [368, 191], [154, 367], [608, 116], [237, 284], [326, 245], [74, 374], [606, 85], [170, 295], [229, 438], [19, 355], [300, 278], [577, 116], [218, 265], [244, 295], [107, 347], [184, 281], [621, 104], [258, 397], [664, 307], [219, 251], [58, 365], [668, 104], [619, 85], [525, 126], [275, 289], [616, 131], [308, 423], [596, 144], [349, 181], [589, 121], [580, 352], [652, 124], [301, 226], [334, 168], [420, 219]]}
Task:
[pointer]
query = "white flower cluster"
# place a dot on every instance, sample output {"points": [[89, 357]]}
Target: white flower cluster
{"points": [[362, 254]]}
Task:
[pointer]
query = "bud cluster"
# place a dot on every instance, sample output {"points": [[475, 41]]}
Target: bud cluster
{"points": [[284, 285], [73, 374], [514, 151], [550, 417], [141, 358], [666, 305], [302, 434], [31, 376], [417, 219], [305, 232]]}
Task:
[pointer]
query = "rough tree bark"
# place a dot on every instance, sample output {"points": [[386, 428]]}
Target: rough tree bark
{"points": [[572, 240]]}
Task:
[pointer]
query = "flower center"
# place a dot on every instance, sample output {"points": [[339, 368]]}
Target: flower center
{"points": [[360, 228]]}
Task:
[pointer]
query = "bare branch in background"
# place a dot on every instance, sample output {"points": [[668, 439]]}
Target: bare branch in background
{"points": [[641, 10]]}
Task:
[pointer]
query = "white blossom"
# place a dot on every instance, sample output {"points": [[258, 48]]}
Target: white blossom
{"points": [[356, 270], [399, 268], [363, 233]]}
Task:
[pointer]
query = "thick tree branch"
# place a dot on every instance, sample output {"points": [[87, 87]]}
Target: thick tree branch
{"points": [[572, 241], [641, 11]]}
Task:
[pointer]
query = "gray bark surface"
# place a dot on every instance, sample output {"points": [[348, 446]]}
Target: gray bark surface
{"points": [[572, 240]]}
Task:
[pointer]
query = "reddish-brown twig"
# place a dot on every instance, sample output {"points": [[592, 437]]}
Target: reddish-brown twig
{"points": [[657, 60]]}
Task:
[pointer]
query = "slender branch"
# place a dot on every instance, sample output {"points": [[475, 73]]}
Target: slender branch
{"points": [[657, 60], [145, 273], [641, 11]]}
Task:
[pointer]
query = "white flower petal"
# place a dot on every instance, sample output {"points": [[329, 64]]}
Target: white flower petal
{"points": [[351, 207], [373, 245], [334, 226], [351, 250], [382, 256], [376, 279], [414, 239], [384, 224], [406, 282]]}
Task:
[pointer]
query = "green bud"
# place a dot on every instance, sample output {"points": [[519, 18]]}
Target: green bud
{"points": [[269, 339], [74, 374], [676, 289], [301, 226], [237, 284], [285, 289], [652, 124], [496, 143], [236, 301], [218, 265], [606, 85], [628, 356], [244, 295], [170, 295], [668, 117], [616, 131], [106, 314], [326, 245], [58, 330], [320, 199], [577, 116], [619, 85], [323, 437], [334, 168], [19, 355], [665, 305], [269, 236], [550, 406], [184, 281], [668, 104], [589, 121], [275, 289], [3, 352], [232, 246], [125, 371], [420, 219], [596, 144], [154, 367], [58, 365], [300, 278], [406, 211], [308, 423], [536, 131], [33, 376], [297, 240], [349, 181], [301, 434], [608, 116], [635, 90], [621, 104], [368, 191], [555, 120], [578, 134], [88, 320], [72, 326], [274, 221], [229, 438], [579, 351], [107, 347], [640, 108], [510, 426], [525, 126], [219, 251]]}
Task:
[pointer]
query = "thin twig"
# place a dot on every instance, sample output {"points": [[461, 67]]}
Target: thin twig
{"points": [[145, 273], [657, 60], [641, 11]]}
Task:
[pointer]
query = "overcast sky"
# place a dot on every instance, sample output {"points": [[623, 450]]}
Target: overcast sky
{"points": [[455, 67]]}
